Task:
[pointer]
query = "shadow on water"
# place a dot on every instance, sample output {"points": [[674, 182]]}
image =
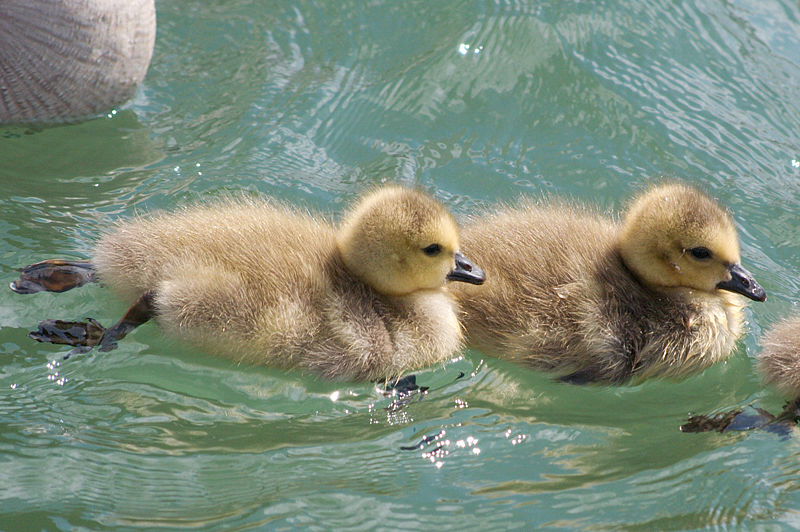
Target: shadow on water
{"points": [[66, 155], [63, 179]]}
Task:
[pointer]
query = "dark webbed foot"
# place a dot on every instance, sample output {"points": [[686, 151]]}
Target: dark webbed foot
{"points": [[54, 275], [750, 418], [85, 335], [403, 386], [403, 391], [738, 420], [717, 423], [74, 333]]}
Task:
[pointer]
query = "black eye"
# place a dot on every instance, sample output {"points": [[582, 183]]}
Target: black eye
{"points": [[432, 250], [700, 253]]}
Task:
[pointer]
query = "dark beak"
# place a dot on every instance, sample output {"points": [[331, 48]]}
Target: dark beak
{"points": [[465, 271], [742, 282]]}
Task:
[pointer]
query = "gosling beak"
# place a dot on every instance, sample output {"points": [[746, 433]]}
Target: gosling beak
{"points": [[465, 271], [742, 282]]}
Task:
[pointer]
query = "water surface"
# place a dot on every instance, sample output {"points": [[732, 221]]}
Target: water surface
{"points": [[475, 102]]}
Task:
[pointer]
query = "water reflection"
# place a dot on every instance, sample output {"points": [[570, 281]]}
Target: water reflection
{"points": [[88, 153]]}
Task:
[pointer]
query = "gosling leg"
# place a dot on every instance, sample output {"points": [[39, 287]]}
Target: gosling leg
{"points": [[140, 312]]}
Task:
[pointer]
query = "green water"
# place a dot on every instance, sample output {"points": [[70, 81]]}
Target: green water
{"points": [[476, 102]]}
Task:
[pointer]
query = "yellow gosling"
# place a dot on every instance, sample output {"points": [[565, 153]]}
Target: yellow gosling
{"points": [[262, 283], [573, 292]]}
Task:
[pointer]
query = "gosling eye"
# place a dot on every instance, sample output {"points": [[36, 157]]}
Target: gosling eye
{"points": [[432, 250], [700, 253]]}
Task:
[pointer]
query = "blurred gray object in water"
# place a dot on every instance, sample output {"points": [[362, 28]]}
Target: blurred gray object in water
{"points": [[69, 59]]}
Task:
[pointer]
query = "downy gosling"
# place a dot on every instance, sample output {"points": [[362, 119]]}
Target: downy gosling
{"points": [[779, 366], [779, 360], [262, 283], [595, 300]]}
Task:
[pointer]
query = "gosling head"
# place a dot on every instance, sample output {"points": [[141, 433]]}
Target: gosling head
{"points": [[675, 236], [400, 241]]}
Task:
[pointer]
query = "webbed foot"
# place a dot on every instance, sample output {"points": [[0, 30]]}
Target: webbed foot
{"points": [[403, 386], [717, 423], [748, 418], [54, 275], [83, 335], [74, 333]]}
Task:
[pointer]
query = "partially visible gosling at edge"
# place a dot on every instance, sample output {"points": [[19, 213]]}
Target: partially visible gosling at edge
{"points": [[779, 365], [779, 360], [262, 283], [596, 300]]}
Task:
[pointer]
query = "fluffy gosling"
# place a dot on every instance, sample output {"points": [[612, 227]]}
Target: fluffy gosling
{"points": [[262, 283], [597, 300]]}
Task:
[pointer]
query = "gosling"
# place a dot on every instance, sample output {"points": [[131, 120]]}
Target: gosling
{"points": [[779, 360], [779, 365], [261, 283], [595, 300]]}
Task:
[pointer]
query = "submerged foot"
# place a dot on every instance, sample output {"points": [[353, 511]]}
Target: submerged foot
{"points": [[403, 391], [74, 333], [54, 275], [84, 335], [748, 418], [717, 423], [403, 386]]}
